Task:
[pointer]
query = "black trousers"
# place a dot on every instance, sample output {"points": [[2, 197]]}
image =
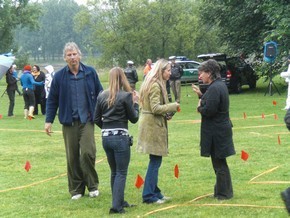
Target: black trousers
{"points": [[11, 95], [223, 188], [29, 98]]}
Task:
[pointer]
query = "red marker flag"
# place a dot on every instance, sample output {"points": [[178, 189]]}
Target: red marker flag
{"points": [[245, 115], [279, 140], [1, 116], [139, 181], [27, 166], [274, 103], [263, 116], [275, 116], [244, 155], [176, 171]]}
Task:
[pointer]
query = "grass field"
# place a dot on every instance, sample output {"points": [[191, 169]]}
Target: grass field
{"points": [[258, 129]]}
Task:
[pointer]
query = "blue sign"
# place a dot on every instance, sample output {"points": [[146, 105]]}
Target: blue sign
{"points": [[270, 51]]}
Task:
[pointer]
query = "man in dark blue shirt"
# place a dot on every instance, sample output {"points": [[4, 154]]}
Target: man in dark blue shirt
{"points": [[74, 91]]}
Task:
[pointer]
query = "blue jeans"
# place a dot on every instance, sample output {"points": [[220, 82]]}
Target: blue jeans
{"points": [[151, 192], [118, 153]]}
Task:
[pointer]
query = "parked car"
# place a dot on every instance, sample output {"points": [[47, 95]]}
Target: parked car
{"points": [[235, 72], [181, 58], [190, 70]]}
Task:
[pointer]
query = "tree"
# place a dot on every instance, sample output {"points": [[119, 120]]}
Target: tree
{"points": [[239, 23], [246, 25], [14, 13], [141, 29], [56, 27]]}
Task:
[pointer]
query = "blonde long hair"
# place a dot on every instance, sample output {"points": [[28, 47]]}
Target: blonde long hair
{"points": [[117, 81], [155, 75]]}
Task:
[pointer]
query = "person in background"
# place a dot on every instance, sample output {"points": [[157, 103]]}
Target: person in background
{"points": [[285, 195], [115, 107], [148, 67], [286, 76], [15, 74], [39, 91], [48, 79], [168, 91], [11, 88], [28, 83], [73, 93], [153, 129], [216, 128], [175, 82], [131, 74]]}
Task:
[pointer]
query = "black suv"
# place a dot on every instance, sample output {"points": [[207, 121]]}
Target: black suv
{"points": [[235, 72]]}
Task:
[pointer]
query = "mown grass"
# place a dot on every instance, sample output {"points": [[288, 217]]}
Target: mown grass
{"points": [[43, 192]]}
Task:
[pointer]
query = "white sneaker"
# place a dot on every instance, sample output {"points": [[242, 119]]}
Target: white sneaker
{"points": [[76, 197], [159, 201], [166, 198], [94, 194]]}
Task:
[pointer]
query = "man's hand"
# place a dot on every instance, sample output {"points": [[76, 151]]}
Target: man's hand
{"points": [[47, 127]]}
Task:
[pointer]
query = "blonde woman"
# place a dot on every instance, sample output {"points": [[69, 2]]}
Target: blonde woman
{"points": [[153, 130], [115, 107]]}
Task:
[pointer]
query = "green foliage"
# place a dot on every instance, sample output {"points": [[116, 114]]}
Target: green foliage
{"points": [[240, 23], [56, 28], [278, 14], [142, 29], [246, 25], [22, 59], [112, 32], [16, 13]]}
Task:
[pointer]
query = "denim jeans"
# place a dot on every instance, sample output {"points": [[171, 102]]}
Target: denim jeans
{"points": [[118, 153], [151, 192]]}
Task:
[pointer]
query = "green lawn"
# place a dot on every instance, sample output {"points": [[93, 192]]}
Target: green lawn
{"points": [[257, 182]]}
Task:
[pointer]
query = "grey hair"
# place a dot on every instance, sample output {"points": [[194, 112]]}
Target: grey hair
{"points": [[212, 67], [71, 46]]}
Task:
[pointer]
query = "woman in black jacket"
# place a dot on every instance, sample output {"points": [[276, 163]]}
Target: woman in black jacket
{"points": [[115, 107], [11, 88], [216, 128]]}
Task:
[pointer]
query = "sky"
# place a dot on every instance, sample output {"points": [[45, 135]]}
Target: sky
{"points": [[81, 2]]}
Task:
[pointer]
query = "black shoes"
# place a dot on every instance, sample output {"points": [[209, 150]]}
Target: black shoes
{"points": [[126, 204], [113, 211], [285, 195]]}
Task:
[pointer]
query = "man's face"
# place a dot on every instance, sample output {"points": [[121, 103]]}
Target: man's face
{"points": [[72, 58]]}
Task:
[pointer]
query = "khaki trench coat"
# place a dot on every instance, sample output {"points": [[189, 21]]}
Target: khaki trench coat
{"points": [[153, 131]]}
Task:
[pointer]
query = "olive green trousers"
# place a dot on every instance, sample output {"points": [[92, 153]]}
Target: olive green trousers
{"points": [[81, 157]]}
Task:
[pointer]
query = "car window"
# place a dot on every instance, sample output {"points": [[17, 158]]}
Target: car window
{"points": [[192, 65], [182, 65], [188, 65]]}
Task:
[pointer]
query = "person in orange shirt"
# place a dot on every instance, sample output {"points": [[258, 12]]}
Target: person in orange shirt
{"points": [[147, 67]]}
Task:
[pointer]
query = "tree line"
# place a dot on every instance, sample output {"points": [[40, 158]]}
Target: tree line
{"points": [[110, 32]]}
